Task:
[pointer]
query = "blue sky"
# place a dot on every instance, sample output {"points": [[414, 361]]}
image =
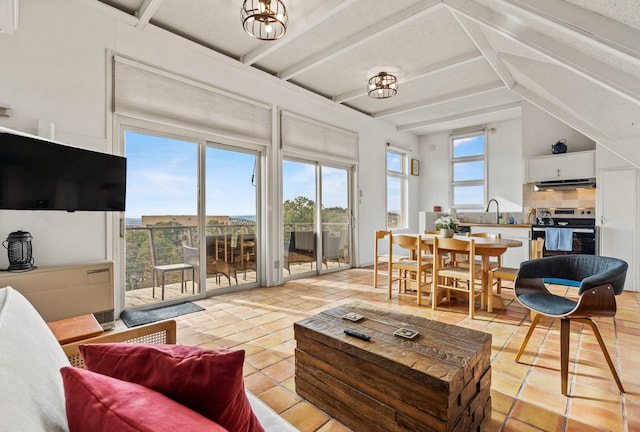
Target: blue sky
{"points": [[473, 170], [162, 179]]}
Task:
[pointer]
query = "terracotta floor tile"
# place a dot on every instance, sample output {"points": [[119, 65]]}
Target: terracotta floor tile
{"points": [[538, 416], [279, 399], [514, 425], [280, 371], [574, 425], [263, 359], [270, 340], [501, 403], [333, 426], [496, 422], [597, 415], [305, 417], [257, 383], [553, 401], [505, 384]]}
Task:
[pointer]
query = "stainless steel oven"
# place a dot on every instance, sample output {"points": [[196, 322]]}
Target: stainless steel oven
{"points": [[574, 231]]}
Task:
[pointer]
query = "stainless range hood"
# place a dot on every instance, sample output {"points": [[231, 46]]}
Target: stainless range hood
{"points": [[572, 184]]}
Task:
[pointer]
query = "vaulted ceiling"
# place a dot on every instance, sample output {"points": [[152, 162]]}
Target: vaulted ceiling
{"points": [[458, 62]]}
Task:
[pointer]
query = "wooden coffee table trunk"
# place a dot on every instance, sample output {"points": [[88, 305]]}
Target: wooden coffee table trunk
{"points": [[438, 381]]}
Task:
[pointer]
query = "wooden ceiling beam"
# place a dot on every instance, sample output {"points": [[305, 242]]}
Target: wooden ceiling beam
{"points": [[599, 72], [146, 11], [447, 97], [359, 38]]}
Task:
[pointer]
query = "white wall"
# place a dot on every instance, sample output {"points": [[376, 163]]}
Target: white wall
{"points": [[504, 151], [56, 69], [540, 131]]}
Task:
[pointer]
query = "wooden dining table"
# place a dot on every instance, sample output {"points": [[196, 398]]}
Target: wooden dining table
{"points": [[486, 248]]}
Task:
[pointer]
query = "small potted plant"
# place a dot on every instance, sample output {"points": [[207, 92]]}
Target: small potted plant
{"points": [[447, 225]]}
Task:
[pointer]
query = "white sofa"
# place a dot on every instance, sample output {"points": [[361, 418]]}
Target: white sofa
{"points": [[30, 361]]}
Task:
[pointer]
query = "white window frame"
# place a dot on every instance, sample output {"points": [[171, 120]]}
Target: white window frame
{"points": [[456, 135], [403, 176]]}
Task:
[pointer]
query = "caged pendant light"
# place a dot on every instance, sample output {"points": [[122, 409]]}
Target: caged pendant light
{"points": [[383, 86], [264, 19]]}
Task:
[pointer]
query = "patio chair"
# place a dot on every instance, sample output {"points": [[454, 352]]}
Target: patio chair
{"points": [[600, 279], [219, 258], [301, 248], [244, 254]]}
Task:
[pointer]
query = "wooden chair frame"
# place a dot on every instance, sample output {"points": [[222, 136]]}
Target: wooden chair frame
{"points": [[410, 269], [379, 235], [501, 273], [447, 276]]}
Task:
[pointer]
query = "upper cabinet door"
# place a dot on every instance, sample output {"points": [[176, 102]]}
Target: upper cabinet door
{"points": [[565, 166]]}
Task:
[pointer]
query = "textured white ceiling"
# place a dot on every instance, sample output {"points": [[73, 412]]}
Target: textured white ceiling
{"points": [[458, 61], [625, 12]]}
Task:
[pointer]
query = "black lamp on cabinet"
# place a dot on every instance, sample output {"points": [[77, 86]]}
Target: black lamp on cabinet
{"points": [[18, 245]]}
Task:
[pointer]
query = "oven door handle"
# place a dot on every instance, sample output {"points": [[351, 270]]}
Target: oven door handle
{"points": [[575, 230]]}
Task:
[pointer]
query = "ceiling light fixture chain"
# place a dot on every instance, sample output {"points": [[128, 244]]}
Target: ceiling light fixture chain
{"points": [[264, 19], [383, 86]]}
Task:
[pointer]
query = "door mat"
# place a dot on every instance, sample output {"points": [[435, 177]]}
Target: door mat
{"points": [[134, 317]]}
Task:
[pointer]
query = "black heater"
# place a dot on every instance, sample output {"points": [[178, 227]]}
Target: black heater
{"points": [[18, 246]]}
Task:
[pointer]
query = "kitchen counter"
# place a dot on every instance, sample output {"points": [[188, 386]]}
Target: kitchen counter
{"points": [[470, 224]]}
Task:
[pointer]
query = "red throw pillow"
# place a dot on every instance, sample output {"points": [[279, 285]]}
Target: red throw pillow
{"points": [[208, 382], [99, 403]]}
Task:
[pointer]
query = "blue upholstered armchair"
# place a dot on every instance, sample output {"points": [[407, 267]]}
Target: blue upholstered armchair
{"points": [[598, 279]]}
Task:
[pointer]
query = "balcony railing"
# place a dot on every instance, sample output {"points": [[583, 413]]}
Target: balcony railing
{"points": [[150, 246]]}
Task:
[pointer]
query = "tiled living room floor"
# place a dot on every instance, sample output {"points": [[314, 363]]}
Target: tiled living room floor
{"points": [[525, 397]]}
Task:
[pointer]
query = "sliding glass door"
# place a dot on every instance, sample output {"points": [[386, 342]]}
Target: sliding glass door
{"points": [[232, 247], [160, 219], [335, 218], [166, 260], [316, 217]]}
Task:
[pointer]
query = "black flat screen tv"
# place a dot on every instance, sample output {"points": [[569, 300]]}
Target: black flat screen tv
{"points": [[36, 174]]}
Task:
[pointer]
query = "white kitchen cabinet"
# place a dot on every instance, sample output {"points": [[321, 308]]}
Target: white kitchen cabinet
{"points": [[514, 255], [564, 166]]}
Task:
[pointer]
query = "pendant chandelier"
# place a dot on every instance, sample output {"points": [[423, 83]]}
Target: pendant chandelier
{"points": [[383, 86], [264, 19]]}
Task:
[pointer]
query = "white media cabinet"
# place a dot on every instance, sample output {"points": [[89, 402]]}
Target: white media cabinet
{"points": [[65, 291]]}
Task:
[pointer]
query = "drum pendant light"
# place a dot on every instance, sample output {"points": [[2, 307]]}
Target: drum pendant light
{"points": [[383, 85], [264, 19]]}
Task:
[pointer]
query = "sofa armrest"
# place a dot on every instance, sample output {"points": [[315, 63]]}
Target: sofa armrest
{"points": [[269, 419], [163, 332]]}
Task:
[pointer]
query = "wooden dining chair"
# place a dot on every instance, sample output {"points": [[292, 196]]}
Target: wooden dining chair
{"points": [[501, 273], [453, 277], [411, 268], [492, 264], [380, 234]]}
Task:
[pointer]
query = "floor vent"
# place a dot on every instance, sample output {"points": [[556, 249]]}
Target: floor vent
{"points": [[105, 319]]}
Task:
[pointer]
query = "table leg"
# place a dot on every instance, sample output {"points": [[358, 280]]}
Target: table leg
{"points": [[162, 285], [487, 289], [153, 284], [492, 299], [193, 280], [182, 285]]}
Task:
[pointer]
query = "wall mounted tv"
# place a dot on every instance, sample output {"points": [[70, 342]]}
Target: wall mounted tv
{"points": [[36, 174]]}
